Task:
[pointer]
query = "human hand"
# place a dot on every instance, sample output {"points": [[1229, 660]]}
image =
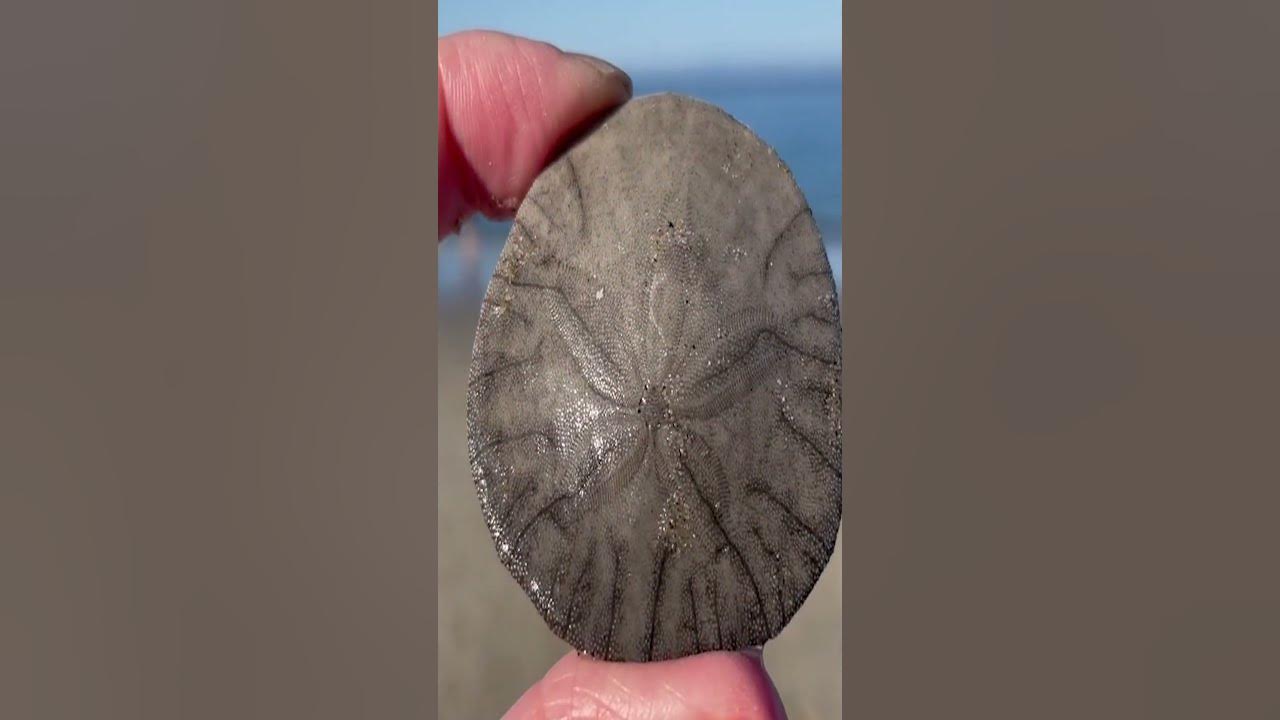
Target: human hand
{"points": [[507, 106], [711, 685]]}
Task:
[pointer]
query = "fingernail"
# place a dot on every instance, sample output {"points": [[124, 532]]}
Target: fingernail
{"points": [[612, 73], [755, 653]]}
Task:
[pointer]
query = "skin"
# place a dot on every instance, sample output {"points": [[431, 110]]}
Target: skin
{"points": [[508, 105]]}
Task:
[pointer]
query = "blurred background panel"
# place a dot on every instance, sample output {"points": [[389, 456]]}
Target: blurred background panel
{"points": [[776, 68], [214, 372]]}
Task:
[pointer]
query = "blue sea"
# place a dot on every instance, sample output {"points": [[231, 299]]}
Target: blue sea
{"points": [[795, 111]]}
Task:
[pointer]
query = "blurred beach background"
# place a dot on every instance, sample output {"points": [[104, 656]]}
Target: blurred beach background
{"points": [[776, 68]]}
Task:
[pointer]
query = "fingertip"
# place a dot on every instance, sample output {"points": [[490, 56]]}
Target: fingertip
{"points": [[720, 684], [507, 106]]}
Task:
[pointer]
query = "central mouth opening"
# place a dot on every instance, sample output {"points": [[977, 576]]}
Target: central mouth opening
{"points": [[653, 406]]}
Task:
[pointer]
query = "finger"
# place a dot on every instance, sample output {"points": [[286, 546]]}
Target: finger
{"points": [[507, 105], [711, 685]]}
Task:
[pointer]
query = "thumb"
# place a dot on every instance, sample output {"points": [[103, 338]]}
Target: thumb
{"points": [[507, 105], [719, 684]]}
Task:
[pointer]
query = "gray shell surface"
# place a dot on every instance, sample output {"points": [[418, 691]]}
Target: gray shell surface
{"points": [[654, 393]]}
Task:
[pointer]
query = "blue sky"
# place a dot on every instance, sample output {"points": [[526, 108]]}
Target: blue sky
{"points": [[644, 35]]}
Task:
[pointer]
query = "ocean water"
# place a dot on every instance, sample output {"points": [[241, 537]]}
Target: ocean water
{"points": [[795, 111]]}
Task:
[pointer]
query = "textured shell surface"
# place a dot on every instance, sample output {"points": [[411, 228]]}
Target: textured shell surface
{"points": [[654, 393]]}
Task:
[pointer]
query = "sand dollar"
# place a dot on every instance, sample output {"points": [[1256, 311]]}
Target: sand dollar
{"points": [[654, 395]]}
